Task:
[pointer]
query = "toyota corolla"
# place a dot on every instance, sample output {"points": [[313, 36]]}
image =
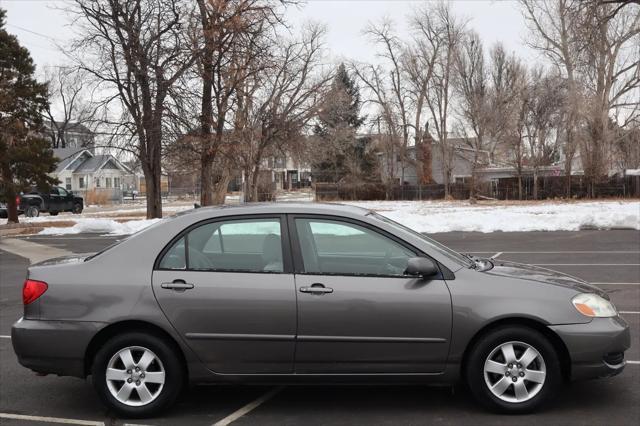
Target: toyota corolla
{"points": [[309, 292]]}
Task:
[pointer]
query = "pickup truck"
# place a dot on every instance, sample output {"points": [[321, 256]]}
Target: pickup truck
{"points": [[56, 200]]}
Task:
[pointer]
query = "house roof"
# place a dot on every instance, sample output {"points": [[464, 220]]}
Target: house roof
{"points": [[92, 164], [67, 156]]}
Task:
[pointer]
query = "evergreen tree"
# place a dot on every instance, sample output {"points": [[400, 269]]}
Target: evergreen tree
{"points": [[25, 155], [342, 157]]}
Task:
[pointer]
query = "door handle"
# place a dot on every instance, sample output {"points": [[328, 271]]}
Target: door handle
{"points": [[178, 285], [316, 288]]}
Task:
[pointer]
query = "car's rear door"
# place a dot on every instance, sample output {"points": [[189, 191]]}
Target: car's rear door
{"points": [[228, 289], [65, 200], [357, 311]]}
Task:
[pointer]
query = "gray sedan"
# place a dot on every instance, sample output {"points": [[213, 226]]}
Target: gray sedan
{"points": [[309, 292]]}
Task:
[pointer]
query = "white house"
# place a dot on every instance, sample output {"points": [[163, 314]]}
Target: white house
{"points": [[80, 170]]}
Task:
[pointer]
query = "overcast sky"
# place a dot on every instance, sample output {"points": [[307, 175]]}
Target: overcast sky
{"points": [[39, 25]]}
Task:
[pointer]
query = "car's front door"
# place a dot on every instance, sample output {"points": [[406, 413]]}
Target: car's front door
{"points": [[357, 311], [54, 200], [65, 200], [227, 288]]}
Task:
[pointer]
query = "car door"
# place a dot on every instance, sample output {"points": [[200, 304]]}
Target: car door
{"points": [[357, 311], [228, 289], [54, 200], [65, 200]]}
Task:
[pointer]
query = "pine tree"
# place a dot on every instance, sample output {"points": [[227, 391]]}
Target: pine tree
{"points": [[25, 156], [342, 154]]}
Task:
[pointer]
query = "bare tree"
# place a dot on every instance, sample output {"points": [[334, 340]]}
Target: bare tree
{"points": [[472, 85], [136, 50], [275, 105], [70, 104], [541, 122], [236, 37], [555, 32], [440, 93]]}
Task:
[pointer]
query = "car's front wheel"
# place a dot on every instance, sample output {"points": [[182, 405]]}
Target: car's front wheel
{"points": [[77, 208], [513, 369], [137, 374]]}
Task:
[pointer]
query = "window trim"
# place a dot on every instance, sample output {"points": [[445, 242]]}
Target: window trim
{"points": [[444, 274], [287, 262]]}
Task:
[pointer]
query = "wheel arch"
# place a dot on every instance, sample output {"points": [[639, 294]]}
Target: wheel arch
{"points": [[554, 339], [126, 326]]}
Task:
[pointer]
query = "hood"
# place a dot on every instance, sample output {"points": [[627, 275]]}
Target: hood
{"points": [[542, 275]]}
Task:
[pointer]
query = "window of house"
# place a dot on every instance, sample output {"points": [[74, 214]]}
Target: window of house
{"points": [[67, 184], [251, 245], [107, 182], [340, 248], [116, 182], [81, 182], [97, 180]]}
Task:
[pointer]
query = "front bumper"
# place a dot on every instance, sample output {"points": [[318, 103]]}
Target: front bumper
{"points": [[53, 347], [596, 349]]}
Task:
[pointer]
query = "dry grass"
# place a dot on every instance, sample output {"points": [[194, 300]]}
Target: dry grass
{"points": [[94, 197]]}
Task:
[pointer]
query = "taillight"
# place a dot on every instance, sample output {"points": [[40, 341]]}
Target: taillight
{"points": [[33, 289]]}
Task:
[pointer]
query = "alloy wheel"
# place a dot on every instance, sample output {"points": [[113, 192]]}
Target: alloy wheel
{"points": [[515, 372], [135, 376]]}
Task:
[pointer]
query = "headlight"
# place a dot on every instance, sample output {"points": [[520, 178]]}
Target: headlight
{"points": [[592, 305]]}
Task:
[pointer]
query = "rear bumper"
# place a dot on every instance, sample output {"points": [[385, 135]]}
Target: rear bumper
{"points": [[53, 347], [596, 348]]}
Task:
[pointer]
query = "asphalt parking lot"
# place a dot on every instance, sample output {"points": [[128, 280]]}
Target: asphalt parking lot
{"points": [[611, 259]]}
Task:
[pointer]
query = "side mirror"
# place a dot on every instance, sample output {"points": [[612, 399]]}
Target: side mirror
{"points": [[421, 266]]}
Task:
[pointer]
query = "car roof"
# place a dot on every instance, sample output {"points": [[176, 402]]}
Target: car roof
{"points": [[282, 207]]}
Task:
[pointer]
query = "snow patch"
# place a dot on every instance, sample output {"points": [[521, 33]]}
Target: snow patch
{"points": [[441, 216], [102, 226]]}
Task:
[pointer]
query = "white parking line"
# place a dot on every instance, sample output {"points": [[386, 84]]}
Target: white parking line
{"points": [[495, 256], [559, 252], [49, 419], [633, 362], [248, 408], [629, 312], [5, 337], [615, 283], [586, 264]]}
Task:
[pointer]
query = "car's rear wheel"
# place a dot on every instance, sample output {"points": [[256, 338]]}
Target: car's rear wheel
{"points": [[137, 374], [32, 211], [513, 369]]}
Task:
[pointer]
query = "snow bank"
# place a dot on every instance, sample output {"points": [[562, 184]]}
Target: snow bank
{"points": [[441, 216], [102, 226]]}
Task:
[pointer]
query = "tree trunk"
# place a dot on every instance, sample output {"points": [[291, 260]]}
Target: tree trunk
{"points": [[535, 183], [206, 184], [153, 193], [520, 186], [12, 206]]}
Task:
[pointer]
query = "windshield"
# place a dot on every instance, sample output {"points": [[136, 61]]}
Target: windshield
{"points": [[446, 251]]}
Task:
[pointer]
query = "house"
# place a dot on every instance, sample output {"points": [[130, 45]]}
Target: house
{"points": [[80, 170], [69, 135]]}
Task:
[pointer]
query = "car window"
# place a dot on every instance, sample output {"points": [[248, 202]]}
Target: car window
{"points": [[335, 247], [62, 192], [175, 258], [54, 191], [252, 245]]}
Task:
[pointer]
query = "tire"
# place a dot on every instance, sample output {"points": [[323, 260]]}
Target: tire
{"points": [[77, 208], [32, 211], [157, 391], [488, 366], [53, 213]]}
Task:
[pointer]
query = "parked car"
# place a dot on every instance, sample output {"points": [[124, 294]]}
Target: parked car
{"points": [[55, 201], [309, 292]]}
